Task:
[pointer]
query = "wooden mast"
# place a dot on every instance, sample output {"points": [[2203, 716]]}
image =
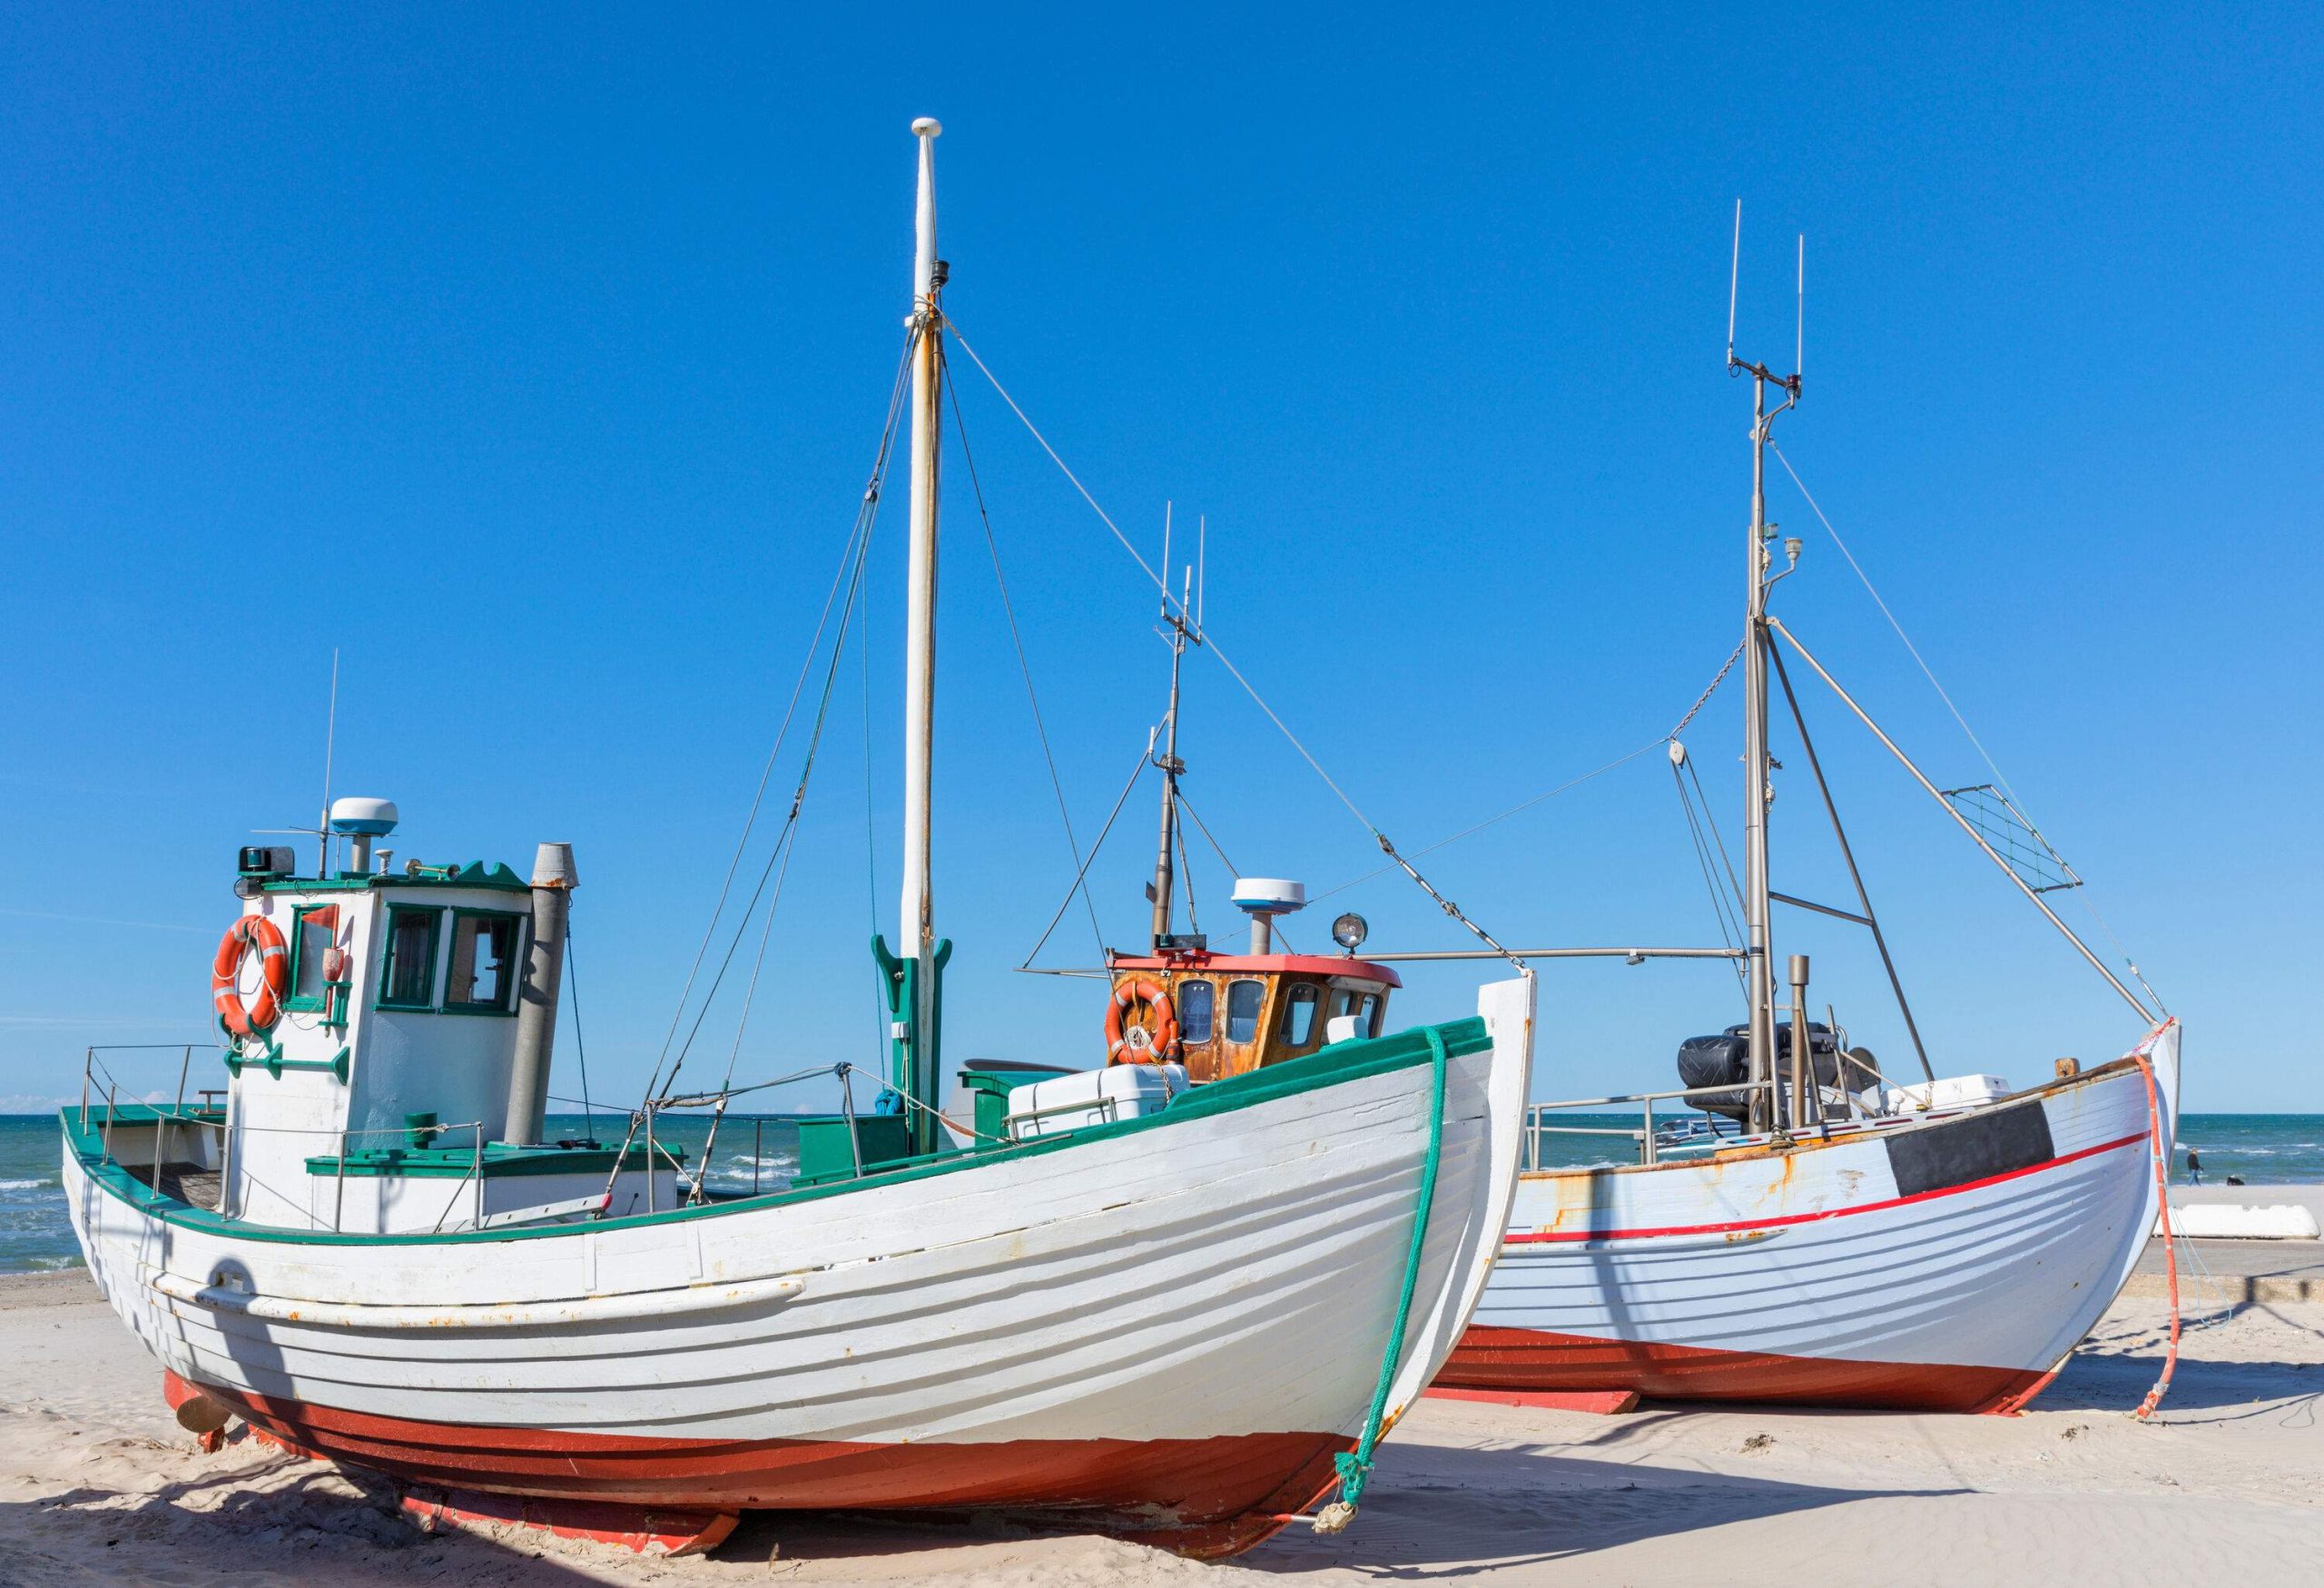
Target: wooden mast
{"points": [[913, 991]]}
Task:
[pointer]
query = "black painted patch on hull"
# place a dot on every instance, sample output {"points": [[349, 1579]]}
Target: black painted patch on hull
{"points": [[1974, 1147]]}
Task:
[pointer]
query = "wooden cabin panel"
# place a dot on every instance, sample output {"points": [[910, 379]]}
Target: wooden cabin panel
{"points": [[1234, 1019]]}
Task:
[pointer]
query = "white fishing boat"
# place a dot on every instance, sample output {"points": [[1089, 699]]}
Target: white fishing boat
{"points": [[1828, 1235], [1189, 1314], [1946, 1261]]}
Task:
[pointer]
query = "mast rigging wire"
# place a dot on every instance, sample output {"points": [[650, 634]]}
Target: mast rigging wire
{"points": [[866, 511], [1170, 602], [1143, 760], [1719, 901], [1016, 638], [784, 838], [1928, 673]]}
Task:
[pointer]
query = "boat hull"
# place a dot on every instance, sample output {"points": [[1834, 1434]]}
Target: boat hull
{"points": [[1177, 1321], [1210, 1479], [1947, 1265]]}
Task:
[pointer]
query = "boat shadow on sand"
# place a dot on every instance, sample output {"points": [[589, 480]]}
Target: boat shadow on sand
{"points": [[1470, 1511], [2113, 1369], [277, 1520], [1450, 1514]]}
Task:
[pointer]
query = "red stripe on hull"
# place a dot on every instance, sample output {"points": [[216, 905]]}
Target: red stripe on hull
{"points": [[1210, 1497], [1535, 1237], [1533, 1359]]}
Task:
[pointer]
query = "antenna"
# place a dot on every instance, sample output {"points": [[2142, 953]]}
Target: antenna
{"points": [[330, 734], [1166, 559], [1734, 273], [1800, 345]]}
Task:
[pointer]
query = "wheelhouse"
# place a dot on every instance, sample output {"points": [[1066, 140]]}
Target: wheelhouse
{"points": [[1234, 1013]]}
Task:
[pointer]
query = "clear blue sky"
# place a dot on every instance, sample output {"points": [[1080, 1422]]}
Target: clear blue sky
{"points": [[534, 357]]}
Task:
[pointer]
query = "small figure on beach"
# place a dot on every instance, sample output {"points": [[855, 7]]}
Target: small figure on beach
{"points": [[2195, 1168]]}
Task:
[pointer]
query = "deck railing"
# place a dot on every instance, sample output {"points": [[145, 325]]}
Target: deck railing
{"points": [[1644, 1135]]}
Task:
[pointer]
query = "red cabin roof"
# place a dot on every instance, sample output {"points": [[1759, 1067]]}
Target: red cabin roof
{"points": [[1202, 960]]}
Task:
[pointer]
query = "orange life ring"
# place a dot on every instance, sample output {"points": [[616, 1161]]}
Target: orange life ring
{"points": [[248, 934], [1122, 1046]]}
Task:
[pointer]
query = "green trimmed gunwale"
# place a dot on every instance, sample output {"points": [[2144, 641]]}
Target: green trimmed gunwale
{"points": [[1346, 1061], [474, 874], [500, 1161]]}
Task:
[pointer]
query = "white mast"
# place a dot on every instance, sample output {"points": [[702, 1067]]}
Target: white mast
{"points": [[917, 927], [914, 997]]}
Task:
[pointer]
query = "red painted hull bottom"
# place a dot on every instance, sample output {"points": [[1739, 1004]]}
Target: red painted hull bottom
{"points": [[1205, 1497], [1530, 1359]]}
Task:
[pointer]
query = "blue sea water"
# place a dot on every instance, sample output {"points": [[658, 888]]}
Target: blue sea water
{"points": [[2264, 1149]]}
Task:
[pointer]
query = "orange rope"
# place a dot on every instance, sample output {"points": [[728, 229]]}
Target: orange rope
{"points": [[2170, 1251]]}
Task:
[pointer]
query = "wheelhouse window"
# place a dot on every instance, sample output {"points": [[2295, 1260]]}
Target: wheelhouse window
{"points": [[1194, 1000], [409, 978], [1299, 1014], [483, 974], [311, 936], [1365, 1006], [1242, 1001]]}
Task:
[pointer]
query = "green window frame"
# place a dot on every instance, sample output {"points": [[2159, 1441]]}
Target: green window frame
{"points": [[511, 966], [391, 961], [304, 1002]]}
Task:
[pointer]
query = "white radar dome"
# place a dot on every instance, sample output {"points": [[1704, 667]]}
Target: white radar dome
{"points": [[358, 817], [1269, 895]]}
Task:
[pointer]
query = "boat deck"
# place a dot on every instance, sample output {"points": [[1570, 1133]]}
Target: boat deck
{"points": [[198, 1187]]}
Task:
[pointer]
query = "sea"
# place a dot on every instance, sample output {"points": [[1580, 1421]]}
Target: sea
{"points": [[762, 1153]]}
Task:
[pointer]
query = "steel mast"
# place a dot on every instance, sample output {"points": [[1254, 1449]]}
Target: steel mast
{"points": [[1182, 631], [1758, 792]]}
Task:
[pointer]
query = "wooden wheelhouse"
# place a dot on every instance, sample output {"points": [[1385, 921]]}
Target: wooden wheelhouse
{"points": [[1236, 1013]]}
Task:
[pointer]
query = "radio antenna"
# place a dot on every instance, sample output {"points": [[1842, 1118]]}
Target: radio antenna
{"points": [[330, 734], [1799, 324], [1734, 272]]}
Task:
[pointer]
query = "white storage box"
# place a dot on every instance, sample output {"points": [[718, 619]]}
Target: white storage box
{"points": [[1946, 1091], [1092, 1097]]}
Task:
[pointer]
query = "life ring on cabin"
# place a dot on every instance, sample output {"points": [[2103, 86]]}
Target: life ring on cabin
{"points": [[249, 934], [1129, 1044]]}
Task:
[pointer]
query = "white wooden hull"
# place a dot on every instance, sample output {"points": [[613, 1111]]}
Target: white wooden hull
{"points": [[1184, 1317], [1950, 1264]]}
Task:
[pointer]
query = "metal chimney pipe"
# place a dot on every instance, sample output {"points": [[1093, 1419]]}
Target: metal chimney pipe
{"points": [[1805, 1101], [554, 880]]}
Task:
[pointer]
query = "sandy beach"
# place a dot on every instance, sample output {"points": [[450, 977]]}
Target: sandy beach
{"points": [[98, 1483]]}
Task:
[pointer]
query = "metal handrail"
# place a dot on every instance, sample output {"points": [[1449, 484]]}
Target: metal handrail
{"points": [[1646, 1097], [1644, 1136]]}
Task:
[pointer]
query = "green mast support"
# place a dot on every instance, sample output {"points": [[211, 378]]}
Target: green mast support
{"points": [[916, 1047]]}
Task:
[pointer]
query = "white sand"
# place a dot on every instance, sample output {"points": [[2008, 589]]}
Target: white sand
{"points": [[98, 1484]]}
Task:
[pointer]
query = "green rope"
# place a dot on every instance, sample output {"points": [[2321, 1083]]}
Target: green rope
{"points": [[1354, 1466]]}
